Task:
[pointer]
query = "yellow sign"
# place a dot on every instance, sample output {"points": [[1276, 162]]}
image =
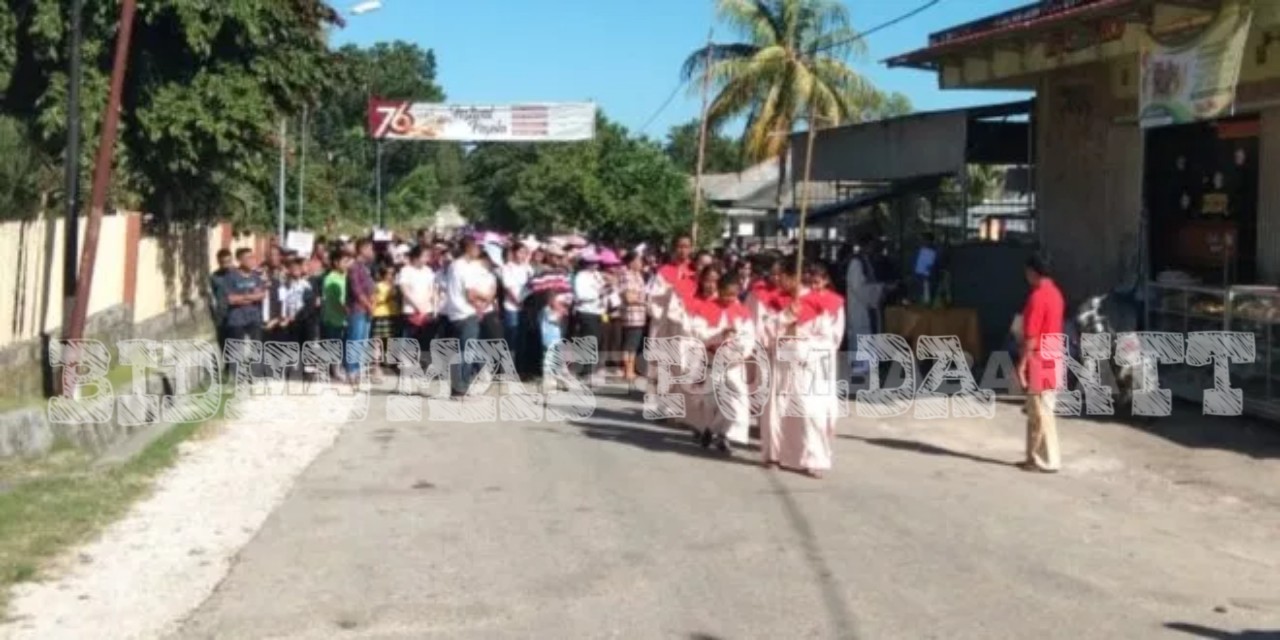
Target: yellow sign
{"points": [[1215, 204]]}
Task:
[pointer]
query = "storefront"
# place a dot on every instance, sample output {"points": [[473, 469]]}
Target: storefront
{"points": [[1157, 124], [1202, 194]]}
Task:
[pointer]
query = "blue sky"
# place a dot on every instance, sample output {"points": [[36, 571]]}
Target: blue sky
{"points": [[625, 55]]}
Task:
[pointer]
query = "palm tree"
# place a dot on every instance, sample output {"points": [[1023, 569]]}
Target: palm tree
{"points": [[792, 65]]}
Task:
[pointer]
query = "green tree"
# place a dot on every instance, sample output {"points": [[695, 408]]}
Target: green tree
{"points": [[207, 83], [615, 187], [791, 65], [723, 154], [417, 177], [792, 62]]}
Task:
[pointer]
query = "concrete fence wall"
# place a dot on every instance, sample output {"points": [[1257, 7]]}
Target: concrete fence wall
{"points": [[145, 284]]}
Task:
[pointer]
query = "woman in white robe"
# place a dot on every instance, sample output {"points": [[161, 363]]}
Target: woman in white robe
{"points": [[728, 351], [805, 401], [704, 320]]}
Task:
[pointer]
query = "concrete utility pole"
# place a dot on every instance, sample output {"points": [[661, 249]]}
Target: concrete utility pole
{"points": [[284, 149], [74, 328], [302, 167], [702, 139], [71, 169]]}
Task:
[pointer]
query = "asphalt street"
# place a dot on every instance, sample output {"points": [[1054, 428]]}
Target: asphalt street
{"points": [[614, 527]]}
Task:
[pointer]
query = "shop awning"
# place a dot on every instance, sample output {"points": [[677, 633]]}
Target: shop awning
{"points": [[1009, 24], [917, 145], [860, 201]]}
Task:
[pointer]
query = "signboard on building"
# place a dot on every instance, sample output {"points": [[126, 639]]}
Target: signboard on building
{"points": [[405, 120], [1190, 73]]}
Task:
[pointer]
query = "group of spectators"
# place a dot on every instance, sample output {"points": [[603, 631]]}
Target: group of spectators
{"points": [[527, 291]]}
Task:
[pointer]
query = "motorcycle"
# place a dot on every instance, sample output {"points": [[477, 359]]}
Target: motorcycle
{"points": [[1116, 313]]}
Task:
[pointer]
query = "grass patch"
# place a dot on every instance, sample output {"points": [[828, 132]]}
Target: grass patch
{"points": [[50, 504], [120, 377]]}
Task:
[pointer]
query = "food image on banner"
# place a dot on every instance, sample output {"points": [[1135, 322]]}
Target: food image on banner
{"points": [[554, 122], [1190, 70]]}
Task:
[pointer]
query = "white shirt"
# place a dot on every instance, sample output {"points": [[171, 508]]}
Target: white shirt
{"points": [[464, 276], [418, 283], [588, 291], [515, 279]]}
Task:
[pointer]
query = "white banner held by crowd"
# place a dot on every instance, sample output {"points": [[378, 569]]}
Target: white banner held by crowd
{"points": [[541, 122]]}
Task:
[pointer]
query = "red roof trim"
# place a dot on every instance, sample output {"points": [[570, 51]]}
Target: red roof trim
{"points": [[925, 54]]}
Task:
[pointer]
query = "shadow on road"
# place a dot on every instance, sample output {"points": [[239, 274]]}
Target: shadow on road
{"points": [[833, 597], [1208, 632], [632, 429], [927, 449]]}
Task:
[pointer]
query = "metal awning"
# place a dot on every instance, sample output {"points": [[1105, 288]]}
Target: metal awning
{"points": [[1013, 23], [917, 145], [870, 199]]}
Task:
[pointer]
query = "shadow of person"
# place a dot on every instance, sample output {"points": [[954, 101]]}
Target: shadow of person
{"points": [[632, 429], [1201, 631], [927, 449]]}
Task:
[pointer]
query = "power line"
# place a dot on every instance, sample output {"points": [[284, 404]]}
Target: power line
{"points": [[882, 26], [929, 4], [666, 103]]}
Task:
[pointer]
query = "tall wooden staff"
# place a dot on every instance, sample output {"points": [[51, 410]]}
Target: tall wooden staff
{"points": [[702, 140], [804, 197]]}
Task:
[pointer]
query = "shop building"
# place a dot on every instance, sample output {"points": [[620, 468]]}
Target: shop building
{"points": [[1133, 187]]}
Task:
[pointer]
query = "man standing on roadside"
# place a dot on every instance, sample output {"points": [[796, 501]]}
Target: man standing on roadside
{"points": [[1042, 316], [245, 292], [359, 303], [462, 292], [862, 301], [218, 298]]}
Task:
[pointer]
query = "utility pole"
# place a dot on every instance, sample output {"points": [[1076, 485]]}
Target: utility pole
{"points": [[71, 169], [284, 148], [302, 167], [804, 197], [702, 139], [101, 179]]}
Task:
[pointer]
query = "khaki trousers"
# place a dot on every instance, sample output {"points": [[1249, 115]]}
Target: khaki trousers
{"points": [[1042, 432]]}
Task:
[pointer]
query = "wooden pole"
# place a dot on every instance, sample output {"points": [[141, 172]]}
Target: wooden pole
{"points": [[101, 175], [804, 197], [702, 140]]}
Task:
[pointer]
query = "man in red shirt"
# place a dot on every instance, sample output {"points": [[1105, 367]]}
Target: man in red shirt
{"points": [[1041, 317]]}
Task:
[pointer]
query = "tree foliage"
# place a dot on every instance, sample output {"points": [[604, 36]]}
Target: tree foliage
{"points": [[206, 84], [417, 177], [723, 154], [791, 62], [616, 186]]}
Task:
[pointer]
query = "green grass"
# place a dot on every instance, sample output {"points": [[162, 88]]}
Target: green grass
{"points": [[62, 499], [120, 377]]}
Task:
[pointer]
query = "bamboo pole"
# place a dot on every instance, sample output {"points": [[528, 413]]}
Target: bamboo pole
{"points": [[804, 198], [702, 140]]}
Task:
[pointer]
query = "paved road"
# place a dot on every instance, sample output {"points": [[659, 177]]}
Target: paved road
{"points": [[613, 527]]}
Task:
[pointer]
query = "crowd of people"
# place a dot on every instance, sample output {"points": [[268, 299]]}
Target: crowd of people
{"points": [[535, 293]]}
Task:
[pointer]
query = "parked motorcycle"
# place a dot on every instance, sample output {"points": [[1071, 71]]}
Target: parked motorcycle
{"points": [[1114, 313]]}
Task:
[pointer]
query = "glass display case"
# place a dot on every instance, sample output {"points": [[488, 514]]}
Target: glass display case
{"points": [[1187, 308]]}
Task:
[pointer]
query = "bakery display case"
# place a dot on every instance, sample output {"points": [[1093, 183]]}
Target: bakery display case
{"points": [[1186, 308], [1256, 310]]}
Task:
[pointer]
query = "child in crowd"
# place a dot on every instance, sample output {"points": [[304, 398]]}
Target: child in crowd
{"points": [[551, 325], [385, 311]]}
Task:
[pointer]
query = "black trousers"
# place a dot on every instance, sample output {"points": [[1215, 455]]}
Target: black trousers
{"points": [[250, 332], [590, 325]]}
